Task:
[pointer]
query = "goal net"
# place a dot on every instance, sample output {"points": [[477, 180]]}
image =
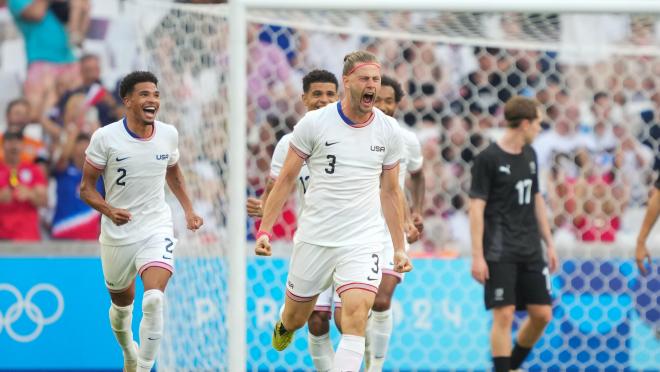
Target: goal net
{"points": [[596, 76]]}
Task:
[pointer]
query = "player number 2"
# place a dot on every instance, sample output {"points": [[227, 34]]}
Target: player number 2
{"points": [[123, 174], [333, 160], [524, 188], [169, 248]]}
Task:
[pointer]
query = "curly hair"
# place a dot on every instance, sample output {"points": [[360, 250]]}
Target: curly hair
{"points": [[319, 76], [131, 80]]}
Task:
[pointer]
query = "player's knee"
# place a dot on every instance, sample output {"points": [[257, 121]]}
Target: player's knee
{"points": [[541, 318], [120, 316], [338, 318], [382, 303], [152, 301], [293, 320], [319, 323], [503, 316]]}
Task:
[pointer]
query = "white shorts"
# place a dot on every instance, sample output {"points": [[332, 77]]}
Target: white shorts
{"points": [[314, 268], [387, 264], [326, 298], [122, 263]]}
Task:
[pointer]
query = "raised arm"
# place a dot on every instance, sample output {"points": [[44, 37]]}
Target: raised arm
{"points": [[176, 183], [275, 200], [36, 11], [66, 149]]}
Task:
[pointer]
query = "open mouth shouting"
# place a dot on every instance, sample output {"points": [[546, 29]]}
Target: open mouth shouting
{"points": [[149, 112], [368, 98]]}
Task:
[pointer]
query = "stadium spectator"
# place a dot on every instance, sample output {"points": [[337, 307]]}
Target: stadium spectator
{"points": [[268, 73], [560, 138], [18, 117], [49, 53], [73, 219], [22, 192], [600, 199], [75, 14], [78, 112], [94, 91]]}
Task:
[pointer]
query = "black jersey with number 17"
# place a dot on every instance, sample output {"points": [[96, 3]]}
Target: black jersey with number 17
{"points": [[508, 184]]}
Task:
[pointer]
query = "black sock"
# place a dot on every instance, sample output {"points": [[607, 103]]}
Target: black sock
{"points": [[502, 364], [518, 355]]}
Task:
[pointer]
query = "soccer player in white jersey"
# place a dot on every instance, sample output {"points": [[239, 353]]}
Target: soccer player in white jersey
{"points": [[136, 155], [319, 89], [379, 327], [349, 147]]}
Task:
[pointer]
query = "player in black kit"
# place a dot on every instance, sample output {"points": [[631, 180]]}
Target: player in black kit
{"points": [[507, 222]]}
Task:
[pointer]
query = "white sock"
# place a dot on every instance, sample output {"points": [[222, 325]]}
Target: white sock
{"points": [[151, 328], [121, 318], [320, 348], [350, 351], [379, 338]]}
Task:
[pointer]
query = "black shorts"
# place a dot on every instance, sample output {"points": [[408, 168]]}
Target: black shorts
{"points": [[520, 284]]}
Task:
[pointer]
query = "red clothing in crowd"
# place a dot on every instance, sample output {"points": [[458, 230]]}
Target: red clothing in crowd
{"points": [[19, 220]]}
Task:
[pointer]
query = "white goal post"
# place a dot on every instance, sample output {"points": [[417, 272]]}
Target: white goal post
{"points": [[239, 11]]}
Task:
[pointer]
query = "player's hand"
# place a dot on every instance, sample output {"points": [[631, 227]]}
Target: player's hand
{"points": [[262, 246], [402, 263], [412, 234], [193, 221], [5, 195], [119, 216], [480, 270], [254, 207], [418, 221], [643, 258], [22, 193], [553, 262]]}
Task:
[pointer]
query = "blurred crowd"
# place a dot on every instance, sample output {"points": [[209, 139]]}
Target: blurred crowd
{"points": [[48, 127], [597, 154]]}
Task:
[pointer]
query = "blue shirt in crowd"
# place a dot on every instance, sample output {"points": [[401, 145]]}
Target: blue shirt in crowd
{"points": [[46, 40]]}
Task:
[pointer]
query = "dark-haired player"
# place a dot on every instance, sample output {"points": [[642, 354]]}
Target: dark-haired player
{"points": [[507, 222], [136, 155]]}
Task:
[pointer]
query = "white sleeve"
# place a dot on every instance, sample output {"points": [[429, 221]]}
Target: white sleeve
{"points": [[302, 140], [97, 152], [279, 155], [174, 154], [394, 150], [414, 152]]}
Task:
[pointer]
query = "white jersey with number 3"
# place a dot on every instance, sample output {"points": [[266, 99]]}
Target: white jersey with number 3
{"points": [[345, 161], [134, 178]]}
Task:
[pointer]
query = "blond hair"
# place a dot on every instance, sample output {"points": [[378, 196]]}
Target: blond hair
{"points": [[355, 58]]}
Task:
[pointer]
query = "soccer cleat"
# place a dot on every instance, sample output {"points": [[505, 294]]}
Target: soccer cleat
{"points": [[281, 337], [130, 359]]}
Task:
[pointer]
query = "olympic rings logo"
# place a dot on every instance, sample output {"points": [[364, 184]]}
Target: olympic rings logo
{"points": [[33, 312]]}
